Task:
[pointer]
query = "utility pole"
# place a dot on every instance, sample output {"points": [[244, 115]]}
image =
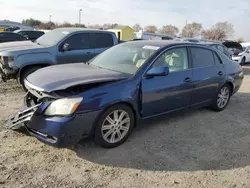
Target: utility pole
{"points": [[80, 11], [186, 22]]}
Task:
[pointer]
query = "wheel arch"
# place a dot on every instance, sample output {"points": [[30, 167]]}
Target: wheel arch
{"points": [[231, 86], [129, 104], [20, 72]]}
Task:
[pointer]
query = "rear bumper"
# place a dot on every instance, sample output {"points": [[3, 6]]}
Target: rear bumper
{"points": [[61, 131]]}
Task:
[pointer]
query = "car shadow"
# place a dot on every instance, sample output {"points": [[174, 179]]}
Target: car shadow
{"points": [[185, 141]]}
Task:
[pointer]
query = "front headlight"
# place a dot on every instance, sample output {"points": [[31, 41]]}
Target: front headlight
{"points": [[9, 60], [64, 106]]}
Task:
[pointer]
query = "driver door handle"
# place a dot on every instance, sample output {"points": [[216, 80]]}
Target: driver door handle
{"points": [[220, 73], [187, 80]]}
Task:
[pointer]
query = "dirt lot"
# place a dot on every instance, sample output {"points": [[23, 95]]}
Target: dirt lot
{"points": [[198, 148]]}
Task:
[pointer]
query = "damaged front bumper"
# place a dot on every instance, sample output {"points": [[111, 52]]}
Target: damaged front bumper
{"points": [[8, 73], [58, 131], [21, 118]]}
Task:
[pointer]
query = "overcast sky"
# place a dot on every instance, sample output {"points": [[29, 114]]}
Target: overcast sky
{"points": [[129, 12]]}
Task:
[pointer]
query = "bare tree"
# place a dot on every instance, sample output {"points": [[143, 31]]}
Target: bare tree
{"points": [[137, 27], [65, 24], [47, 25], [170, 30], [114, 25], [191, 30], [96, 26], [220, 31], [150, 29]]}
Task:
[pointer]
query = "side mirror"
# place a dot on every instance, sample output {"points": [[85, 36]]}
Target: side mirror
{"points": [[26, 36], [65, 47], [158, 71]]}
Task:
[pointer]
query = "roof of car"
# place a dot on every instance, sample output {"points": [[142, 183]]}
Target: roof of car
{"points": [[10, 32], [25, 30], [209, 43], [74, 29], [160, 43]]}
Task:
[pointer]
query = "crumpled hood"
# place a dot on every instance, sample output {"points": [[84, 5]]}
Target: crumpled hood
{"points": [[18, 46], [60, 77]]}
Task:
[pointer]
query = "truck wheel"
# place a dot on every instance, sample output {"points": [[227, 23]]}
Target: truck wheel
{"points": [[26, 72]]}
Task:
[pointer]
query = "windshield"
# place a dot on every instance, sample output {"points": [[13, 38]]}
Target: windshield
{"points": [[126, 57], [51, 38]]}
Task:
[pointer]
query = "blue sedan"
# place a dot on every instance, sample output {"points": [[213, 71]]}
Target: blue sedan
{"points": [[131, 81]]}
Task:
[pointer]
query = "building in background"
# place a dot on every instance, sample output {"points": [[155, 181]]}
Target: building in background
{"points": [[11, 26], [123, 32]]}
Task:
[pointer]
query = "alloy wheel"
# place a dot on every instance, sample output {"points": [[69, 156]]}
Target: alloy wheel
{"points": [[115, 126], [223, 97]]}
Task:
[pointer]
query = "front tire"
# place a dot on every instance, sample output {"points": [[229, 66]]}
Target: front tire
{"points": [[114, 126], [222, 98], [243, 61]]}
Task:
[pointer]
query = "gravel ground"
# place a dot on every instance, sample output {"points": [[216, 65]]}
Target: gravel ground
{"points": [[199, 148]]}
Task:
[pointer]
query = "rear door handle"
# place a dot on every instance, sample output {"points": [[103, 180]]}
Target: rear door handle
{"points": [[220, 73], [187, 80], [88, 53]]}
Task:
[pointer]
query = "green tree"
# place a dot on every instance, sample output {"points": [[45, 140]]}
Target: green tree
{"points": [[32, 22]]}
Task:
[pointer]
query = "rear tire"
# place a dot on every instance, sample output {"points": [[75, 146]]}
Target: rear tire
{"points": [[25, 73], [114, 126], [222, 98], [243, 61]]}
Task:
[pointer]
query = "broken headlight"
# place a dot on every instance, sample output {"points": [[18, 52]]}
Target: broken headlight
{"points": [[66, 106], [9, 61]]}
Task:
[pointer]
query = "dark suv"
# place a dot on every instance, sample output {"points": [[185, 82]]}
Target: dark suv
{"points": [[30, 35], [10, 37]]}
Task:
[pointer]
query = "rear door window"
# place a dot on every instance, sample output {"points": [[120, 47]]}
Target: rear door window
{"points": [[103, 40], [201, 57], [217, 60], [221, 49], [80, 41]]}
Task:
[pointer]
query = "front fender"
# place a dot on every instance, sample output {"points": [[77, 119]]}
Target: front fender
{"points": [[99, 99], [34, 59]]}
